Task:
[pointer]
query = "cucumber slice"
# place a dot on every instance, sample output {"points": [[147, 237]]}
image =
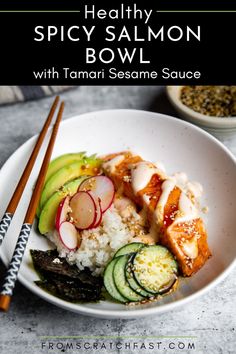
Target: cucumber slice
{"points": [[129, 248], [109, 282], [132, 281], [121, 282], [155, 269]]}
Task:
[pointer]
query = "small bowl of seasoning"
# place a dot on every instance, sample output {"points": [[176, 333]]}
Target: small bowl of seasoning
{"points": [[211, 107]]}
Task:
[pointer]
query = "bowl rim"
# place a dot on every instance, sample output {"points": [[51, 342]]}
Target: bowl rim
{"points": [[125, 314], [202, 119]]}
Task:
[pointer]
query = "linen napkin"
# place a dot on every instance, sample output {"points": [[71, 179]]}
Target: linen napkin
{"points": [[14, 94]]}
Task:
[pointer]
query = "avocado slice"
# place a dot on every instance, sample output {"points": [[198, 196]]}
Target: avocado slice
{"points": [[86, 166], [61, 161], [49, 211], [58, 163]]}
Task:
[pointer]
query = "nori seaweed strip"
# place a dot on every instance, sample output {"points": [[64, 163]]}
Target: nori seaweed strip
{"points": [[44, 262], [65, 280], [70, 291]]}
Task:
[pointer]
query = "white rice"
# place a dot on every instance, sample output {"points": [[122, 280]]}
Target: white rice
{"points": [[99, 245]]}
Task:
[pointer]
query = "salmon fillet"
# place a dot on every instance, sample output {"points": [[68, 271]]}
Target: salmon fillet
{"points": [[192, 235], [187, 240]]}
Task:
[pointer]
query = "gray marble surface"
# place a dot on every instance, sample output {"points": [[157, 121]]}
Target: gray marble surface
{"points": [[208, 323]]}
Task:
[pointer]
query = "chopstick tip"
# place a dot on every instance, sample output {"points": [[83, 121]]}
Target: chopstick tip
{"points": [[62, 106], [4, 302]]}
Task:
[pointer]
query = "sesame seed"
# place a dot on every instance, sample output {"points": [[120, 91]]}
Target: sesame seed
{"points": [[219, 101]]}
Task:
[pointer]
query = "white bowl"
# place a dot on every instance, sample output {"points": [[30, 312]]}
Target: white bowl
{"points": [[211, 124], [181, 147]]}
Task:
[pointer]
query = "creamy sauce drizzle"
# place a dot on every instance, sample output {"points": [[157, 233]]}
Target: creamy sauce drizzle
{"points": [[187, 210], [181, 179], [195, 188], [160, 167], [167, 186], [110, 166], [190, 247], [141, 174], [187, 186]]}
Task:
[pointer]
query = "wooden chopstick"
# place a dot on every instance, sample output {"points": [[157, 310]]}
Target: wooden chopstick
{"points": [[14, 266], [11, 208]]}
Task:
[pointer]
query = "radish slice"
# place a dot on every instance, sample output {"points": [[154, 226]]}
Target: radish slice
{"points": [[83, 211], [98, 210], [62, 212], [68, 235], [102, 187]]}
